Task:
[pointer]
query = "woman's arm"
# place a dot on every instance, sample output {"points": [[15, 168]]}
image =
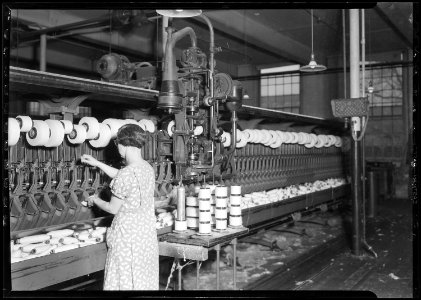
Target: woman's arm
{"points": [[110, 171], [88, 159], [111, 207]]}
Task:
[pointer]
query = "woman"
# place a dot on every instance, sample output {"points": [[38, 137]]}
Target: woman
{"points": [[133, 257]]}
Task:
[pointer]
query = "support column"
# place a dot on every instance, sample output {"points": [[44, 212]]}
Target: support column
{"points": [[355, 128]]}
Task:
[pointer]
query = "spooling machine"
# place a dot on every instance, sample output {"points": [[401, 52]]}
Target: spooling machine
{"points": [[192, 96], [48, 185]]}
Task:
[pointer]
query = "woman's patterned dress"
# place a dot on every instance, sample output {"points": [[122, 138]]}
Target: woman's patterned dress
{"points": [[133, 257]]}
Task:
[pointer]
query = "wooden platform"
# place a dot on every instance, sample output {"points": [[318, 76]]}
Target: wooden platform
{"points": [[191, 237]]}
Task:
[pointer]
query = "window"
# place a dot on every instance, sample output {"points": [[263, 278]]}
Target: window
{"points": [[280, 91], [386, 99]]}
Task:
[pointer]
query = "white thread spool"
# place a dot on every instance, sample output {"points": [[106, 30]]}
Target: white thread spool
{"points": [[192, 222], [92, 127], [25, 123], [221, 191], [205, 215], [236, 190], [320, 142], [221, 201], [204, 193], [180, 225], [204, 204], [192, 211], [171, 128], [56, 133], [332, 139], [235, 210], [78, 134], [39, 133], [296, 137], [13, 131], [235, 200], [198, 130], [338, 142], [235, 221], [226, 139], [221, 224], [67, 126], [221, 212], [114, 125], [103, 138], [192, 201], [204, 227]]}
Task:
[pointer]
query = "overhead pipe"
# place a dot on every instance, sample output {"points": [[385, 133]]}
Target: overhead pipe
{"points": [[213, 111], [355, 127], [164, 36], [31, 35]]}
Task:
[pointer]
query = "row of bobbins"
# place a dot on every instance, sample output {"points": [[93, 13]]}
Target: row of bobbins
{"points": [[275, 138], [51, 133], [211, 208]]}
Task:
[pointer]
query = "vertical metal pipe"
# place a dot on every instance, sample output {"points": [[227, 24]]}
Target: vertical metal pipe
{"points": [[356, 126], [344, 47], [43, 53], [363, 164], [164, 37]]}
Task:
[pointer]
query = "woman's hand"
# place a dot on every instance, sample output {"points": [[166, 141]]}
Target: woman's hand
{"points": [[88, 159], [90, 201]]}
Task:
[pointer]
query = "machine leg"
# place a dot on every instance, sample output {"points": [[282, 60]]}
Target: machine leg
{"points": [[179, 279], [218, 250], [197, 275], [234, 279]]}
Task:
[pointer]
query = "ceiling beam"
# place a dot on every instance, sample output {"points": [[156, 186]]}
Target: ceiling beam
{"points": [[238, 40], [237, 24], [385, 16]]}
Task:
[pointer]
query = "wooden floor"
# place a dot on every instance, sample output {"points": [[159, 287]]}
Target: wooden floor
{"points": [[334, 268]]}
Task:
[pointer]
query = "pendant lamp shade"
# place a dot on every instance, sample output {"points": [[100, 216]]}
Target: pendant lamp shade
{"points": [[312, 65], [179, 13]]}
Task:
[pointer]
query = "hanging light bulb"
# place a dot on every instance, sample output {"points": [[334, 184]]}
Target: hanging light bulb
{"points": [[312, 65], [370, 88], [180, 13]]}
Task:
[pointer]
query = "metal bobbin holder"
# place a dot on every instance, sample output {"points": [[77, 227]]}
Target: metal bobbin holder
{"points": [[180, 223]]}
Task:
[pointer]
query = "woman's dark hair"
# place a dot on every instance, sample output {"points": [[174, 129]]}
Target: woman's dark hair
{"points": [[131, 135]]}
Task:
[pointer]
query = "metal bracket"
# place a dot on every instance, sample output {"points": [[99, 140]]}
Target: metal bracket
{"points": [[65, 105]]}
